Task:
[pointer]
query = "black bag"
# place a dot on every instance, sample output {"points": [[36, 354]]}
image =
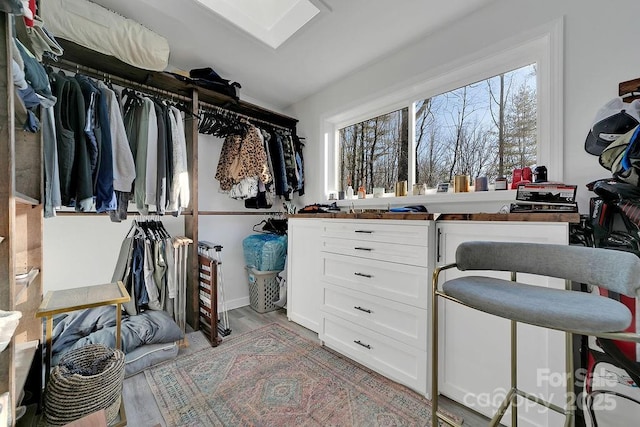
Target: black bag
{"points": [[615, 215], [217, 84], [277, 226], [208, 78]]}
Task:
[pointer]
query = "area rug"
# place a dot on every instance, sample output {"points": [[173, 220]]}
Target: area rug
{"points": [[274, 377]]}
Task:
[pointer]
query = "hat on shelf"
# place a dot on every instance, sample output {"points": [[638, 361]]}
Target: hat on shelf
{"points": [[613, 120]]}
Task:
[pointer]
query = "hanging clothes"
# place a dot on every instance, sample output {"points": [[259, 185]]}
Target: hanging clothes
{"points": [[279, 165], [105, 198], [137, 126], [290, 162], [152, 266], [52, 196], [179, 188], [242, 158], [90, 93], [124, 168], [300, 163], [160, 160], [96, 167], [76, 182], [156, 134], [151, 173]]}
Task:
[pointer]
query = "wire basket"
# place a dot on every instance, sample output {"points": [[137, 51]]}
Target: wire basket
{"points": [[264, 289], [86, 380]]}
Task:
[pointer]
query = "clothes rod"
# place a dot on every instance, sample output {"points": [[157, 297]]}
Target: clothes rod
{"points": [[95, 73], [206, 106], [129, 213], [72, 66]]}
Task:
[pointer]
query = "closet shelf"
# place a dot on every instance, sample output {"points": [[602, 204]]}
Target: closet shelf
{"points": [[25, 352], [20, 110], [130, 213], [23, 280], [106, 65], [25, 200]]}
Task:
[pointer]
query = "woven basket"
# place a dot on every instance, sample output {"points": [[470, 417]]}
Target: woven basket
{"points": [[86, 380]]}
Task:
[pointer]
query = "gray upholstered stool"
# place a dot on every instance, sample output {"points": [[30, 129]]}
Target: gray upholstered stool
{"points": [[561, 309]]}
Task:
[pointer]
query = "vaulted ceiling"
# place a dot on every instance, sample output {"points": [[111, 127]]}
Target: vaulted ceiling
{"points": [[346, 35]]}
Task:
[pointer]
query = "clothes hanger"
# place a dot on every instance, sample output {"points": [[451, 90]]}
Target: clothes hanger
{"points": [[263, 222], [185, 109], [164, 234]]}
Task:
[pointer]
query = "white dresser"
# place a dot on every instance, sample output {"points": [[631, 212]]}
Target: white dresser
{"points": [[303, 272], [374, 280], [365, 285]]}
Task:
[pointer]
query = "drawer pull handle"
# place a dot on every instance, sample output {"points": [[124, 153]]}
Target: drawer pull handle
{"points": [[368, 276], [366, 310], [364, 231], [367, 346], [358, 248]]}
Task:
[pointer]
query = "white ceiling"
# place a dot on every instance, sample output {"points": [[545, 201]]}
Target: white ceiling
{"points": [[345, 36]]}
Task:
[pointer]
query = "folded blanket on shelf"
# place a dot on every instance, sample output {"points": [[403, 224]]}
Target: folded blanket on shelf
{"points": [[94, 27]]}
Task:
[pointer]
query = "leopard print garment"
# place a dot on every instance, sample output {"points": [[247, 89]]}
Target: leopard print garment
{"points": [[242, 158]]}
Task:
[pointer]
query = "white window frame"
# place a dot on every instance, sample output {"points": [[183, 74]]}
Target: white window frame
{"points": [[542, 46]]}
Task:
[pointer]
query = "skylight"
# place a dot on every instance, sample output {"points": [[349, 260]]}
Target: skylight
{"points": [[270, 21]]}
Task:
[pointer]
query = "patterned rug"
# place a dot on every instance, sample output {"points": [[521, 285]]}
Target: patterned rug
{"points": [[274, 377]]}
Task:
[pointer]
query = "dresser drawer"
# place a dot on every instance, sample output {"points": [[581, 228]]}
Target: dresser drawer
{"points": [[407, 284], [391, 358], [405, 232], [382, 251], [402, 322]]}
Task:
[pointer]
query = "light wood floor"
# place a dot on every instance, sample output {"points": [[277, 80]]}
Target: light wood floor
{"points": [[143, 411]]}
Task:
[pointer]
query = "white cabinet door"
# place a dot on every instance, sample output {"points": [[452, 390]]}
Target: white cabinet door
{"points": [[474, 346], [304, 292]]}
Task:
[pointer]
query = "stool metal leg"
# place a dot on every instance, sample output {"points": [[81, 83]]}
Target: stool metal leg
{"points": [[514, 372], [512, 396], [514, 365], [434, 353], [571, 392], [570, 410], [435, 417], [503, 408]]}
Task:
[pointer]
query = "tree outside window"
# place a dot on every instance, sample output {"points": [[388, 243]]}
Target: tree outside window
{"points": [[374, 153], [487, 128]]}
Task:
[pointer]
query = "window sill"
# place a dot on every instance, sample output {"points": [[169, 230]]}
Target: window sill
{"points": [[500, 196]]}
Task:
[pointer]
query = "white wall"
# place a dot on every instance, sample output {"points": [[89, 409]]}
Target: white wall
{"points": [[600, 46], [82, 250], [227, 230]]}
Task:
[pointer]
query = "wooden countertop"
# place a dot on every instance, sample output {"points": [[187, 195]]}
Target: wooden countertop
{"points": [[368, 215], [573, 217]]}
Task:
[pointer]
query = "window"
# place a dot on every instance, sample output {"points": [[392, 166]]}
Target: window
{"points": [[498, 112], [486, 128], [374, 152]]}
